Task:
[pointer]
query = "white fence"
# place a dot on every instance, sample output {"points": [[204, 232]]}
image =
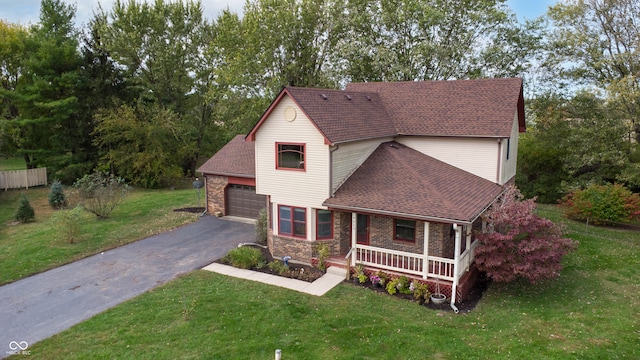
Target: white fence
{"points": [[18, 179]]}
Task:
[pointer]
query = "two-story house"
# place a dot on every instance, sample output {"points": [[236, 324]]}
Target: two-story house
{"points": [[394, 175]]}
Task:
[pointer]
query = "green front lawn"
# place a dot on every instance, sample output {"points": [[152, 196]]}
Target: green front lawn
{"points": [[591, 312], [12, 163], [27, 249]]}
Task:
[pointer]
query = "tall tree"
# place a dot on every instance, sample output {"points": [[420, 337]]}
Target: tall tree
{"points": [[596, 43], [160, 49], [12, 59], [140, 143], [49, 131], [390, 40], [292, 42]]}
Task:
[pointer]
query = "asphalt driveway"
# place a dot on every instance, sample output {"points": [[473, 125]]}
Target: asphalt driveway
{"points": [[42, 305]]}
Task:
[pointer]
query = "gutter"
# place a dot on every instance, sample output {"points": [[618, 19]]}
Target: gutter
{"points": [[397, 214]]}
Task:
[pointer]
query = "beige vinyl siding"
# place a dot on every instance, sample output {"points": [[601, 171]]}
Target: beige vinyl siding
{"points": [[509, 165], [307, 188], [347, 157], [477, 156]]}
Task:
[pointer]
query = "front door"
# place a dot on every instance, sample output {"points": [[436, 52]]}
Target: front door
{"points": [[362, 229]]}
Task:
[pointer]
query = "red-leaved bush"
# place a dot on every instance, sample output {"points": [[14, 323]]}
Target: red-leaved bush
{"points": [[518, 243]]}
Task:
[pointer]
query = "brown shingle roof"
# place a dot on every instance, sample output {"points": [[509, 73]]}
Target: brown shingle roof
{"points": [[481, 108], [469, 108], [344, 115], [399, 181], [237, 158]]}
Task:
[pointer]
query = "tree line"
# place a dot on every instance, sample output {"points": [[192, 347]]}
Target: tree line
{"points": [[148, 90]]}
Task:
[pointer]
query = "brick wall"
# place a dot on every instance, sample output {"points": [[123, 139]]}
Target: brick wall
{"points": [[299, 249], [441, 242], [342, 231], [215, 194], [381, 234]]}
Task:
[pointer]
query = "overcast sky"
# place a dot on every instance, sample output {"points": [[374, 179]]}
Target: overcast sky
{"points": [[28, 11]]}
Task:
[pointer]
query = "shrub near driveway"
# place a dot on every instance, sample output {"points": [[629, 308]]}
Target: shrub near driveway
{"points": [[592, 311], [27, 249]]}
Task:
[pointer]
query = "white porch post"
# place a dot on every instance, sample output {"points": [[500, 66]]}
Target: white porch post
{"points": [[468, 248], [456, 262], [354, 237], [425, 262]]}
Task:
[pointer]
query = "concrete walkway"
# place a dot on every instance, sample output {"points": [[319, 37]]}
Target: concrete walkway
{"points": [[328, 281], [34, 308]]}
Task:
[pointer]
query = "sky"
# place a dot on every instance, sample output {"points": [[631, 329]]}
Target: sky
{"points": [[28, 11]]}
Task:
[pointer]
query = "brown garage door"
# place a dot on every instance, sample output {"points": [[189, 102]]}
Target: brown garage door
{"points": [[243, 201]]}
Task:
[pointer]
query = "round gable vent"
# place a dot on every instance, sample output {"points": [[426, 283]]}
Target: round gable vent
{"points": [[289, 113]]}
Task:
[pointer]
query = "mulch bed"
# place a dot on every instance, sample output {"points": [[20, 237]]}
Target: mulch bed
{"points": [[310, 274], [194, 210], [466, 305], [296, 271]]}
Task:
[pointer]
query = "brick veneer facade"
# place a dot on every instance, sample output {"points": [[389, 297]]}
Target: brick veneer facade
{"points": [[215, 186], [381, 233]]}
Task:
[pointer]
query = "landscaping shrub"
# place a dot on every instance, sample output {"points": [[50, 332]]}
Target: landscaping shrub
{"points": [[25, 211], [278, 266], [246, 257], [101, 192], [57, 200], [518, 243], [261, 227], [420, 291], [322, 250], [67, 224], [602, 205]]}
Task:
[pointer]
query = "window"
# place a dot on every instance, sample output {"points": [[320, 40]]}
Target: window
{"points": [[508, 147], [290, 156], [324, 224], [405, 230], [292, 221]]}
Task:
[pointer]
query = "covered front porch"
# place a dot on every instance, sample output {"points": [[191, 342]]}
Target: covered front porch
{"points": [[427, 250]]}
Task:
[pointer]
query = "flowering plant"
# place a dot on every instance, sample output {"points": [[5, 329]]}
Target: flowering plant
{"points": [[375, 280]]}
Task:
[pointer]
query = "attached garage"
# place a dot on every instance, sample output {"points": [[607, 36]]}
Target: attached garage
{"points": [[230, 181], [243, 201]]}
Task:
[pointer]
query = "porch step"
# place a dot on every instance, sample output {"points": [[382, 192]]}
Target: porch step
{"points": [[334, 270]]}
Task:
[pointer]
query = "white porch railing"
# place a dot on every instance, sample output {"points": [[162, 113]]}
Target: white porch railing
{"points": [[389, 259], [467, 258], [406, 262]]}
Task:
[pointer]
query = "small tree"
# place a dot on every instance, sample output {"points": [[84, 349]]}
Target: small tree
{"points": [[57, 200], [67, 224], [518, 243], [25, 211], [101, 192]]}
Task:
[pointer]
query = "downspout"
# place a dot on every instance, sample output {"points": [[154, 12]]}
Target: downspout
{"points": [[499, 170], [425, 266], [354, 236], [456, 265]]}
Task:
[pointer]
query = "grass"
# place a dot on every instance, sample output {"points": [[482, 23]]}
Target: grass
{"points": [[12, 163], [27, 249], [591, 312]]}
